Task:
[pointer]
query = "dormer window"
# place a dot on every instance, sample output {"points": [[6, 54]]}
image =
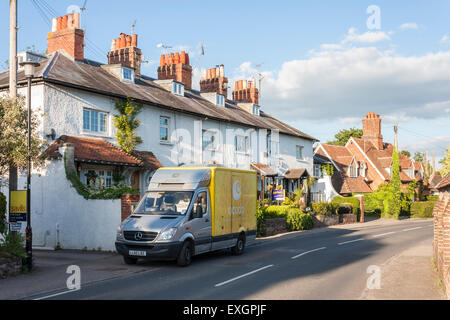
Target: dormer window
{"points": [[353, 172], [255, 110], [178, 88], [220, 100], [127, 74]]}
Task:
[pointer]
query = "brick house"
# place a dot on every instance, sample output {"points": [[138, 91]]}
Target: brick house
{"points": [[362, 165]]}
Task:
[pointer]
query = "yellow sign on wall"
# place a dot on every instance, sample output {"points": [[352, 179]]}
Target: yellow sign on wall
{"points": [[18, 202], [17, 206]]}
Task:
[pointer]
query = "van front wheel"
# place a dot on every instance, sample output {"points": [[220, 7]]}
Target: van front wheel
{"points": [[240, 245], [185, 256]]}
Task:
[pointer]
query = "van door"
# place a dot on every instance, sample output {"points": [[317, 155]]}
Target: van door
{"points": [[201, 226]]}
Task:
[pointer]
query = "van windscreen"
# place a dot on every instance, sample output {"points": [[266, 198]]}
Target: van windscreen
{"points": [[165, 203]]}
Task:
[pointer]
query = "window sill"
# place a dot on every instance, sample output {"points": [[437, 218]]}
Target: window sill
{"points": [[167, 143], [94, 134]]}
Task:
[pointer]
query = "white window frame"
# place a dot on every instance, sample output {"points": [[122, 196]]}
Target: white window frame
{"points": [[99, 114], [301, 148], [104, 177], [256, 110], [212, 145], [164, 126], [353, 172], [220, 100], [245, 143], [177, 88], [126, 79], [317, 170]]}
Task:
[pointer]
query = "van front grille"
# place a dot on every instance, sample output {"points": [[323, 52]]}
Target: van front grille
{"points": [[140, 235]]}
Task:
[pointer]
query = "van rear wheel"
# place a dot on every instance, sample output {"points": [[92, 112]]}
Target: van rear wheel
{"points": [[129, 260], [240, 245], [185, 257]]}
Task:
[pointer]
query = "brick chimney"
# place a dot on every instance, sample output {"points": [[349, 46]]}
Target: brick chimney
{"points": [[66, 35], [175, 66], [214, 80], [372, 129], [124, 51], [245, 91]]}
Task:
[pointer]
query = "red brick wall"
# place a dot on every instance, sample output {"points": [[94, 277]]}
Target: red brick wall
{"points": [[372, 129], [127, 200], [69, 40], [441, 243]]}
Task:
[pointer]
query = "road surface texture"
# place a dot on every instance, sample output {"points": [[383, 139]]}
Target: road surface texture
{"points": [[329, 263]]}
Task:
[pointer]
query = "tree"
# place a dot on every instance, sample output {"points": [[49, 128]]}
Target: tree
{"points": [[127, 124], [406, 153], [342, 136], [445, 163], [419, 156], [13, 135], [392, 201]]}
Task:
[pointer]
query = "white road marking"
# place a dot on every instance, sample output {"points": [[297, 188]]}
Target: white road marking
{"points": [[383, 234], [303, 253], [412, 229], [345, 242], [244, 275], [56, 294]]}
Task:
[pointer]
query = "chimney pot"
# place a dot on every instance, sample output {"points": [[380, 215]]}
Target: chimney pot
{"points": [[128, 41], [177, 58], [59, 23], [123, 41], [64, 22], [213, 73], [71, 40], [54, 24], [70, 20], [134, 40], [76, 20]]}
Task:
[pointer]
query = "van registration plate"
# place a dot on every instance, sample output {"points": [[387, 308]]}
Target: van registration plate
{"points": [[137, 253]]}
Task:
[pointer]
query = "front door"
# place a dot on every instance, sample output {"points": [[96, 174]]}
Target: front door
{"points": [[201, 227]]}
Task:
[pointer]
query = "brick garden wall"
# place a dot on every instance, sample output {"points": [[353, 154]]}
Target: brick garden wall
{"points": [[441, 244]]}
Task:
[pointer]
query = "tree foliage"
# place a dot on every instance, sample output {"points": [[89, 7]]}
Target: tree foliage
{"points": [[342, 136], [127, 124], [14, 133], [393, 197], [445, 163], [419, 156], [406, 153]]}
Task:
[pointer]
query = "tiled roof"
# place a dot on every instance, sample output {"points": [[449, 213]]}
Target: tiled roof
{"points": [[58, 69], [295, 173], [94, 151], [148, 159], [264, 169], [435, 179], [445, 182]]}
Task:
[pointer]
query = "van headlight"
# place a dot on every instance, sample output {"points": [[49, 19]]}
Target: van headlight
{"points": [[119, 235], [167, 235]]}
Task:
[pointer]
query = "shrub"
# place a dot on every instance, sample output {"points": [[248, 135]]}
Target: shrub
{"points": [[422, 209], [324, 208], [345, 208], [287, 202], [272, 212], [2, 213], [354, 201], [432, 198], [13, 244], [297, 220]]}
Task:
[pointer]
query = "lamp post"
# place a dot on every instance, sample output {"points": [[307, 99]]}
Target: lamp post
{"points": [[29, 67]]}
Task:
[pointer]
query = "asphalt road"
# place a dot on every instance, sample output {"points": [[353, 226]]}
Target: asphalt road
{"points": [[310, 265]]}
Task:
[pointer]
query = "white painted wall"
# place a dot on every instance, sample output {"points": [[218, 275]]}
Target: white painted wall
{"points": [[325, 187]]}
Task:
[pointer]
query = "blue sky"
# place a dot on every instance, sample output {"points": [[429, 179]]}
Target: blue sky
{"points": [[323, 68]]}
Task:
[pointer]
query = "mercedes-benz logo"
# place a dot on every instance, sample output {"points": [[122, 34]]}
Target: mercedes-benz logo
{"points": [[138, 236]]}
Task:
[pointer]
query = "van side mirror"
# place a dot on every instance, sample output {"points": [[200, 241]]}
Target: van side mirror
{"points": [[198, 212]]}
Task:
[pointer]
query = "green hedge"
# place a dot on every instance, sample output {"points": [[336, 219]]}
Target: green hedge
{"points": [[297, 220], [272, 212], [354, 201], [432, 198], [2, 213], [422, 209], [324, 208]]}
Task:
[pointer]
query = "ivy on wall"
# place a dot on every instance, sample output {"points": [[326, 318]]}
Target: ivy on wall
{"points": [[328, 169], [126, 124], [88, 192]]}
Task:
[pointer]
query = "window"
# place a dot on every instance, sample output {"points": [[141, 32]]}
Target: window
{"points": [[362, 171], [202, 202], [241, 143], [95, 121], [127, 74], [299, 152], [98, 178], [255, 110], [208, 140], [164, 126], [220, 100], [317, 171], [353, 172], [178, 88]]}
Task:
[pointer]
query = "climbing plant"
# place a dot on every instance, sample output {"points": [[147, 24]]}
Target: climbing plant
{"points": [[392, 201], [328, 169], [126, 124]]}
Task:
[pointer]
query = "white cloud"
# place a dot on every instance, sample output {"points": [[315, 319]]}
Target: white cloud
{"points": [[344, 84], [331, 46], [438, 144], [409, 26], [445, 39], [367, 37]]}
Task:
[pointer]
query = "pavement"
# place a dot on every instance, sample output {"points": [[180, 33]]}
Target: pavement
{"points": [[324, 263]]}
